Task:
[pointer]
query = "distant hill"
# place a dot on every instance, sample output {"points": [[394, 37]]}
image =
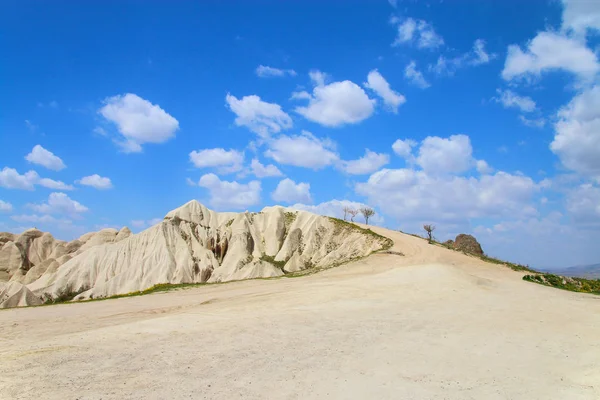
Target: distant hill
{"points": [[591, 271]]}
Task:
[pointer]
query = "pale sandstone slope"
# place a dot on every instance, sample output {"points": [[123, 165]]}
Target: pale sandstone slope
{"points": [[26, 257], [194, 244]]}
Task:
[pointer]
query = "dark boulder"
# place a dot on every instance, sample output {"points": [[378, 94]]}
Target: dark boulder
{"points": [[467, 244]]}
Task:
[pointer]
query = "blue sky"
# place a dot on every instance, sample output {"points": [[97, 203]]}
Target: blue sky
{"points": [[478, 117]]}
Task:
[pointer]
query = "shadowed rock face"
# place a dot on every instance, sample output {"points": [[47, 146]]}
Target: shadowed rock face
{"points": [[468, 244], [192, 245]]}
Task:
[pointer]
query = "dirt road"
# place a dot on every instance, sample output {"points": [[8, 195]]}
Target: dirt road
{"points": [[434, 324]]}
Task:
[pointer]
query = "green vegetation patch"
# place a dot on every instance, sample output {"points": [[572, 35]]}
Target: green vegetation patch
{"points": [[290, 217], [271, 260], [566, 283]]}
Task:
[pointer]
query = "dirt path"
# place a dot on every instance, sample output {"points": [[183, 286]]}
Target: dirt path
{"points": [[433, 324]]}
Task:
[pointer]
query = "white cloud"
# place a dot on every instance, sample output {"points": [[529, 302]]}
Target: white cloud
{"points": [[138, 223], [5, 206], [577, 134], [288, 191], [483, 167], [407, 194], [138, 121], [581, 15], [230, 195], [59, 203], [335, 208], [532, 123], [100, 131], [304, 150], [96, 181], [45, 158], [403, 148], [442, 156], [419, 32], [190, 182], [583, 204], [11, 179], [509, 99], [52, 184], [318, 78], [481, 56], [547, 52], [414, 76], [377, 83], [335, 104], [477, 56], [264, 171], [48, 219], [226, 160], [267, 72], [141, 223], [393, 3], [259, 116], [367, 164]]}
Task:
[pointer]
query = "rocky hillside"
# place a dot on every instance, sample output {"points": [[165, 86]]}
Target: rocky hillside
{"points": [[191, 245], [26, 257]]}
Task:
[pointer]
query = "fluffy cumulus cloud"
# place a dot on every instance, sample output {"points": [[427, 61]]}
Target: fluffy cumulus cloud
{"points": [[10, 178], [304, 150], [225, 195], [509, 99], [52, 184], [335, 104], [59, 203], [264, 71], [409, 194], [403, 148], [416, 32], [367, 164], [577, 134], [138, 121], [550, 51], [45, 158], [483, 167], [445, 156], [96, 181], [377, 83], [477, 56], [288, 191], [260, 117], [414, 76], [226, 161], [583, 205], [580, 16], [335, 208], [5, 206], [264, 171]]}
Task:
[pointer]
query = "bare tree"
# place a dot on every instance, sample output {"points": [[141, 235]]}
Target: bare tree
{"points": [[346, 210], [367, 212], [429, 229], [352, 213]]}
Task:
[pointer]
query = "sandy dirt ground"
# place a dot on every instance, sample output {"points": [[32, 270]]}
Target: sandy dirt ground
{"points": [[434, 324]]}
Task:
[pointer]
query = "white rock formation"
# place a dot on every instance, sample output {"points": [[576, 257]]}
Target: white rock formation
{"points": [[14, 294], [191, 245]]}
